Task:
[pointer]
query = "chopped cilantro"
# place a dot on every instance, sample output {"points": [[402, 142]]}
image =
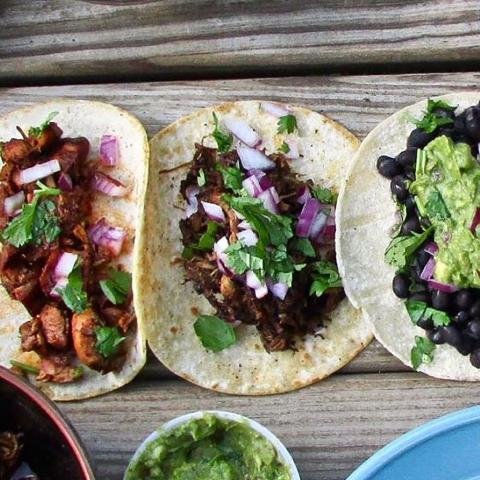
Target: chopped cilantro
{"points": [[284, 148], [108, 340], [117, 287], [324, 195], [431, 121], [46, 225], [303, 246], [287, 124], [37, 131], [73, 295], [201, 180], [224, 140], [325, 275], [232, 177], [214, 333], [418, 310], [401, 248], [241, 258], [435, 206], [422, 352], [208, 238]]}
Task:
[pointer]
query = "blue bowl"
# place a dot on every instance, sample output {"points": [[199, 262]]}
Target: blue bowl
{"points": [[447, 448]]}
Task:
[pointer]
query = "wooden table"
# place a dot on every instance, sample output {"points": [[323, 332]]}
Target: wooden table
{"points": [[155, 59]]}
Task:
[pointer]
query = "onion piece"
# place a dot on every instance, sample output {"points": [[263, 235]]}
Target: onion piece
{"points": [[262, 178], [292, 143], [109, 150], [475, 221], [252, 280], [318, 224], [428, 269], [261, 291], [213, 211], [191, 193], [443, 287], [329, 232], [276, 109], [304, 194], [307, 216], [220, 245], [431, 248], [59, 285], [279, 289], [253, 159], [252, 186], [244, 225], [268, 199], [103, 234], [65, 182], [108, 185], [248, 237], [241, 130], [13, 203], [65, 264], [39, 171]]}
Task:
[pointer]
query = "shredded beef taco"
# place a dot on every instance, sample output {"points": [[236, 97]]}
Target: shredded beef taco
{"points": [[72, 185], [239, 276], [408, 236]]}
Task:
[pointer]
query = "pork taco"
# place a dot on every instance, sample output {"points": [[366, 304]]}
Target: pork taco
{"points": [[239, 276], [408, 236], [72, 185]]}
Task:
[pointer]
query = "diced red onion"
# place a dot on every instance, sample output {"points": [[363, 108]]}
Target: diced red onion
{"points": [[275, 109], [109, 150], [220, 245], [329, 232], [59, 285], [253, 159], [274, 194], [39, 171], [65, 182], [443, 287], [475, 221], [248, 237], [307, 216], [213, 211], [318, 224], [241, 130], [191, 193], [103, 234], [252, 186], [244, 225], [292, 143], [428, 269], [252, 280], [262, 178], [268, 200], [431, 248], [279, 289], [219, 248], [13, 203], [303, 194], [64, 265], [108, 185], [261, 291]]}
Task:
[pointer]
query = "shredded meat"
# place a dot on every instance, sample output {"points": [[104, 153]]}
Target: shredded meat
{"points": [[54, 326], [32, 336], [56, 368]]}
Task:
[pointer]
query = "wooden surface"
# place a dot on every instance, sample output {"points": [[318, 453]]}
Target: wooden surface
{"points": [[44, 40]]}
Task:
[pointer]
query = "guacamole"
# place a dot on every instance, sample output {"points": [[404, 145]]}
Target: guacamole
{"points": [[209, 448], [446, 192]]}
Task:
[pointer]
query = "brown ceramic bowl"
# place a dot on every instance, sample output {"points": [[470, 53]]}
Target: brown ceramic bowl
{"points": [[52, 448]]}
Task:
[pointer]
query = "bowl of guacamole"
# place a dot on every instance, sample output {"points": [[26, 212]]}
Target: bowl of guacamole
{"points": [[212, 445]]}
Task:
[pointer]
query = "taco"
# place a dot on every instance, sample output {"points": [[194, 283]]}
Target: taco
{"points": [[408, 238], [239, 279], [72, 187]]}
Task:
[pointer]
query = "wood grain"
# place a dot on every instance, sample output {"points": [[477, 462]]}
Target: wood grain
{"points": [[329, 428], [52, 40]]}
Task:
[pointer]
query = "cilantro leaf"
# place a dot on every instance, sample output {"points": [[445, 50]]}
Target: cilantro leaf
{"points": [[241, 258], [117, 287], [324, 195], [433, 104], [207, 240], [37, 131], [422, 352], [224, 140], [401, 248], [431, 121], [271, 229], [214, 333], [201, 180], [436, 207], [418, 310], [46, 225], [284, 148], [303, 246], [73, 295], [19, 231], [232, 177], [108, 341], [325, 275], [287, 124]]}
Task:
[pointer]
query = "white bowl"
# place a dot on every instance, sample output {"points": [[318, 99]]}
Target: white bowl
{"points": [[283, 454]]}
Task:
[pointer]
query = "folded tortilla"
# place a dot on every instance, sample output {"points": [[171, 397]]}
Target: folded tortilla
{"points": [[92, 120], [171, 305], [366, 216]]}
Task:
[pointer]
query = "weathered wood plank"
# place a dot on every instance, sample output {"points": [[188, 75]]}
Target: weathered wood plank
{"points": [[53, 40], [329, 428]]}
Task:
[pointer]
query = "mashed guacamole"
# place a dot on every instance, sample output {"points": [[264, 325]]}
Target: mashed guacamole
{"points": [[446, 192], [209, 448]]}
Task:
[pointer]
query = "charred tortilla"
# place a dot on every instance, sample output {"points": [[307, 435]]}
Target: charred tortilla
{"points": [[171, 304], [91, 120]]}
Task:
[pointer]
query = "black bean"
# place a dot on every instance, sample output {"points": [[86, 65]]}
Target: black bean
{"points": [[425, 323], [475, 309], [436, 336], [440, 300], [459, 124], [421, 297], [411, 224], [422, 258], [447, 130], [410, 173], [398, 187], [409, 202], [388, 167], [472, 122], [466, 345], [400, 285], [451, 335], [419, 138], [464, 299], [407, 158], [475, 358], [443, 113], [473, 329], [461, 138], [461, 318]]}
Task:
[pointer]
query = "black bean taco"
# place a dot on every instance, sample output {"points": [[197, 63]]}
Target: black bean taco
{"points": [[238, 267], [72, 186], [408, 237]]}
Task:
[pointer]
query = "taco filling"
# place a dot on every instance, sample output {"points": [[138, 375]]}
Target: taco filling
{"points": [[437, 250], [258, 241], [57, 260]]}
